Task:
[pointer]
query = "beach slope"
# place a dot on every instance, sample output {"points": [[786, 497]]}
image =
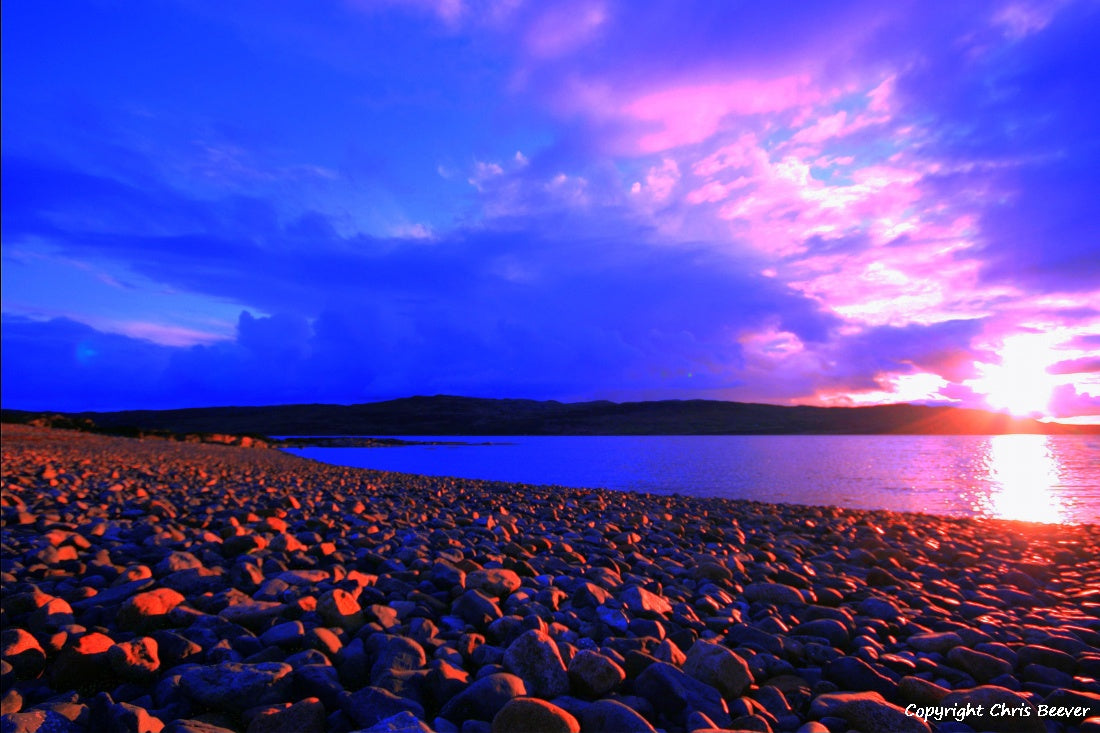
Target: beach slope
{"points": [[151, 585]]}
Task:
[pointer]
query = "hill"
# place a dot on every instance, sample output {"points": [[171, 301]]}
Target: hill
{"points": [[449, 415]]}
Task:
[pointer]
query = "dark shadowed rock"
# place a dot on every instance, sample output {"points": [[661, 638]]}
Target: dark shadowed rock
{"points": [[304, 716], [235, 687], [675, 694], [989, 696], [20, 649], [718, 667], [867, 711], [484, 698], [593, 675], [534, 657], [532, 715], [371, 705], [611, 715], [982, 667]]}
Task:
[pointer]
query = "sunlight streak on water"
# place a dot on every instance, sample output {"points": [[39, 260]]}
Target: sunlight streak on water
{"points": [[1025, 475], [1037, 478]]}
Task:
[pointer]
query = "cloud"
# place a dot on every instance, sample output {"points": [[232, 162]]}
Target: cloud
{"points": [[586, 200]]}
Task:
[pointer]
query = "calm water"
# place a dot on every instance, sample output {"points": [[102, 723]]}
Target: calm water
{"points": [[1032, 477]]}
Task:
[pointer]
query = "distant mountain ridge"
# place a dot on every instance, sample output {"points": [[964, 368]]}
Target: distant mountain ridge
{"points": [[450, 415]]}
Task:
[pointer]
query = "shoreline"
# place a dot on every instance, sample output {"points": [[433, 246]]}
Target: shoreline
{"points": [[332, 595]]}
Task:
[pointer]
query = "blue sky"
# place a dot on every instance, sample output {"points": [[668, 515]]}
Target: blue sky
{"points": [[829, 203]]}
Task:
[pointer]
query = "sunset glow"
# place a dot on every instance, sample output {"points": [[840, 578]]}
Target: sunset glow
{"points": [[1020, 383], [850, 203]]}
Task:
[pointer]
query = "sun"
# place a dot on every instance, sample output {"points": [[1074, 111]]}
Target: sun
{"points": [[1020, 384]]}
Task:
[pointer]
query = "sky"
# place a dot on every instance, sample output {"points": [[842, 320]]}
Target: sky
{"points": [[823, 203]]}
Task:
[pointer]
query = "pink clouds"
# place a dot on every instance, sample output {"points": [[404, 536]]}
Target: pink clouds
{"points": [[562, 28], [692, 113]]}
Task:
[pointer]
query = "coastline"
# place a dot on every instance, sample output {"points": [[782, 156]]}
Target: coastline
{"points": [[143, 579]]}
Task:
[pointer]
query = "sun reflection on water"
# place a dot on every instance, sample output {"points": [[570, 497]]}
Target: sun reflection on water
{"points": [[1024, 474]]}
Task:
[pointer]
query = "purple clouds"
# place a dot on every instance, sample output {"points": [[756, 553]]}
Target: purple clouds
{"points": [[852, 204]]}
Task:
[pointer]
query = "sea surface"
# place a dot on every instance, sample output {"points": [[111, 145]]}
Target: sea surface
{"points": [[1037, 478]]}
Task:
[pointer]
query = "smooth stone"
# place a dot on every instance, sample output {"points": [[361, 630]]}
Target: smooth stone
{"points": [[641, 601], [496, 582], [594, 675], [532, 715], [826, 628], [920, 691], [136, 659], [403, 722], [534, 657], [149, 609], [235, 687], [719, 668], [854, 674], [866, 711], [370, 705], [398, 653], [675, 694], [989, 695], [777, 593], [940, 643], [304, 716], [612, 715], [484, 698], [979, 665]]}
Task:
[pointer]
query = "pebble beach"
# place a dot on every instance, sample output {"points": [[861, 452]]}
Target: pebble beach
{"points": [[169, 587]]}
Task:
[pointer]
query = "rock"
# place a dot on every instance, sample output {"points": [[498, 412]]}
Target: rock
{"points": [[676, 694], [776, 593], [829, 629], [235, 687], [183, 725], [11, 702], [398, 654], [594, 675], [982, 667], [135, 660], [866, 711], [1036, 654], [534, 657], [940, 643], [287, 634], [989, 696], [404, 722], [82, 663], [339, 608], [20, 649], [304, 716], [370, 705], [476, 609], [920, 691], [496, 582], [854, 674], [718, 667], [640, 601], [1071, 706], [880, 608], [484, 698], [37, 721], [148, 610], [532, 715], [612, 715]]}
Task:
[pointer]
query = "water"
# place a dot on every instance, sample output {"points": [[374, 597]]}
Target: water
{"points": [[1031, 477]]}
